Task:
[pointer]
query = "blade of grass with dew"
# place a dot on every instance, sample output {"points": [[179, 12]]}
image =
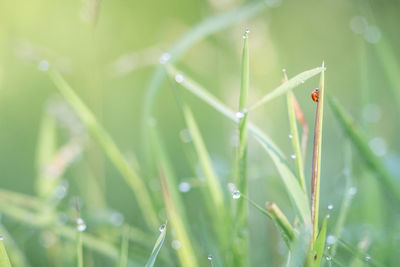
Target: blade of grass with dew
{"points": [[106, 142], [294, 136], [217, 205], [316, 164], [157, 246], [281, 221], [316, 253], [359, 140], [287, 86], [4, 260], [240, 223], [297, 195], [173, 202]]}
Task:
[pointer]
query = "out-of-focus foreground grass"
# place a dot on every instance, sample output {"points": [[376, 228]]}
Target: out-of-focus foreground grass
{"points": [[114, 121]]}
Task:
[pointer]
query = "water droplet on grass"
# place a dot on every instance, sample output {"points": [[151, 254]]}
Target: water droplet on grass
{"points": [[162, 228], [179, 78], [80, 225], [210, 257], [176, 244], [236, 194], [290, 136], [184, 187], [164, 58], [352, 191], [44, 65], [330, 207], [330, 239], [293, 156]]}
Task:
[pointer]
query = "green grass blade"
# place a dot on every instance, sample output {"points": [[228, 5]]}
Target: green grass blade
{"points": [[296, 194], [359, 141], [289, 85], [106, 142], [281, 221], [79, 250], [294, 135], [173, 202], [16, 255], [157, 246], [241, 245], [316, 253], [316, 164], [213, 184], [4, 261], [124, 251]]}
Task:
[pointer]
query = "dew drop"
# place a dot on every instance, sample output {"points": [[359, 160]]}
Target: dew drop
{"points": [[162, 228], [328, 258], [378, 146], [1, 238], [185, 136], [236, 194], [246, 33], [239, 115], [352, 191], [283, 70], [372, 34], [367, 258], [330, 207], [116, 218], [80, 225], [302, 81], [330, 239], [179, 78], [290, 136], [293, 156], [43, 65], [328, 216], [164, 58], [176, 244], [210, 257], [358, 24], [184, 187]]}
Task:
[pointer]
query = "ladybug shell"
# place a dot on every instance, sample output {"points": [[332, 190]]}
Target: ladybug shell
{"points": [[315, 95]]}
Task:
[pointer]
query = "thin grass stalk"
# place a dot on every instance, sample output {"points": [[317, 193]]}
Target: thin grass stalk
{"points": [[303, 122], [241, 246], [173, 202], [130, 175], [294, 136], [316, 163], [4, 260]]}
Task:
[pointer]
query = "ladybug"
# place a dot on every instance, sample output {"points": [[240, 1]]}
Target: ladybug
{"points": [[315, 95]]}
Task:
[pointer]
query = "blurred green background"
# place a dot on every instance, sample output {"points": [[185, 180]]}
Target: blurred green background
{"points": [[108, 51]]}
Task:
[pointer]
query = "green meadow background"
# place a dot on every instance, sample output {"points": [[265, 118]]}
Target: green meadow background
{"points": [[109, 52]]}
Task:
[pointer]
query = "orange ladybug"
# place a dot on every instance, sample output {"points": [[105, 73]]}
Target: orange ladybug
{"points": [[315, 95]]}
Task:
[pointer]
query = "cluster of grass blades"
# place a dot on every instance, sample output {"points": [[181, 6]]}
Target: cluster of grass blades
{"points": [[227, 240]]}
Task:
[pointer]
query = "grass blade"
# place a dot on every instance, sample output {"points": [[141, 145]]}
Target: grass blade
{"points": [[316, 253], [289, 85], [303, 122], [4, 261], [294, 136], [241, 246], [123, 257], [282, 222], [359, 141], [173, 202], [316, 165], [157, 246], [114, 154], [79, 249], [296, 194]]}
